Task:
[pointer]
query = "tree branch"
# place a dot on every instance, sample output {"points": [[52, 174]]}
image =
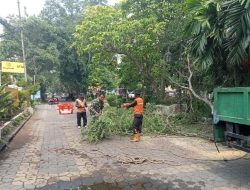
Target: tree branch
{"points": [[202, 98]]}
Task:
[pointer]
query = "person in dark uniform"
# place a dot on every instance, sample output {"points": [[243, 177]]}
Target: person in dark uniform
{"points": [[95, 109]]}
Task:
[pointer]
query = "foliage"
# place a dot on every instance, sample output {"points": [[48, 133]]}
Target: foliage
{"points": [[129, 76], [72, 68], [47, 39], [154, 123], [220, 28], [237, 29], [99, 129], [41, 52], [5, 102], [63, 11], [140, 32], [101, 76], [115, 101], [94, 2], [118, 121], [10, 106], [151, 99], [135, 33], [200, 109], [2, 142], [24, 97], [92, 39], [170, 15]]}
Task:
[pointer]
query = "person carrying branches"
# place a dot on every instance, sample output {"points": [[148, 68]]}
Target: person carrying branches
{"points": [[97, 106], [137, 104]]}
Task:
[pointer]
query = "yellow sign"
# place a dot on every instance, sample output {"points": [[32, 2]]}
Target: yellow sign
{"points": [[12, 67]]}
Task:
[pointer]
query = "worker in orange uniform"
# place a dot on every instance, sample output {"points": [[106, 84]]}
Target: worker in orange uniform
{"points": [[137, 104], [81, 105]]}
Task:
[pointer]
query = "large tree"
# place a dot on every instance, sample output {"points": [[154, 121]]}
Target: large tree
{"points": [[219, 39], [39, 42], [64, 15], [138, 34]]}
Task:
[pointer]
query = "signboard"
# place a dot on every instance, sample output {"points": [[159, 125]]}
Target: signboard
{"points": [[37, 95], [12, 67]]}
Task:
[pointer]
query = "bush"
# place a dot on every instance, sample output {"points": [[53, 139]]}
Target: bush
{"points": [[151, 99], [182, 118], [115, 101], [121, 118], [118, 121], [6, 104], [200, 110], [24, 97], [99, 129], [89, 98]]}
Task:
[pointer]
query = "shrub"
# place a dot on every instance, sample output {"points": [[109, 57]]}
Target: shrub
{"points": [[201, 109], [99, 129], [118, 121], [150, 99], [115, 101], [5, 103], [121, 119], [24, 97]]}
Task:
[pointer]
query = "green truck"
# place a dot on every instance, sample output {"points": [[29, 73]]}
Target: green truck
{"points": [[231, 117]]}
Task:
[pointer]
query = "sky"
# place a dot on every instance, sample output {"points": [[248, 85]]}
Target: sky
{"points": [[8, 7], [33, 7]]}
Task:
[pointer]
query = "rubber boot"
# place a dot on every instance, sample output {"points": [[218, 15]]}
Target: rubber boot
{"points": [[139, 136], [136, 138]]}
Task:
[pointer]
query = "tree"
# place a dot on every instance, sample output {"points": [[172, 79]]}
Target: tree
{"points": [[95, 2], [7, 26], [138, 34], [64, 15], [235, 14], [219, 39], [41, 51], [93, 38]]}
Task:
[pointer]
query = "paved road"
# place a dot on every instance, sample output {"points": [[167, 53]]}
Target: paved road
{"points": [[49, 153]]}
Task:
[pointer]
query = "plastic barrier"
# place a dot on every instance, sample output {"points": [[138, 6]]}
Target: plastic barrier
{"points": [[65, 108]]}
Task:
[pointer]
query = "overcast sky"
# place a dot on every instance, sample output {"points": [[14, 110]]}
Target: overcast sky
{"points": [[33, 7], [8, 7]]}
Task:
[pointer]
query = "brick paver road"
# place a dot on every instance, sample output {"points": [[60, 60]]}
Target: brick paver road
{"points": [[49, 153]]}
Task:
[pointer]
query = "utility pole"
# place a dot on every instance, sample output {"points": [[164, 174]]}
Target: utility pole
{"points": [[23, 50]]}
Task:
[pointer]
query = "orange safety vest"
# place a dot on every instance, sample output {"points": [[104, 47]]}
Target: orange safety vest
{"points": [[138, 109], [82, 104]]}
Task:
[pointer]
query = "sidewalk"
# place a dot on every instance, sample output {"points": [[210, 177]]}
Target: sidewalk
{"points": [[48, 153]]}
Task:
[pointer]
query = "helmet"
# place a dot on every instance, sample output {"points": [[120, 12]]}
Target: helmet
{"points": [[137, 93]]}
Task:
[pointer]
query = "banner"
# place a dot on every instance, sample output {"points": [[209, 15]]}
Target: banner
{"points": [[12, 67]]}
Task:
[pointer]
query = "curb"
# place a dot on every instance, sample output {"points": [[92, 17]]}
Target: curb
{"points": [[13, 134]]}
